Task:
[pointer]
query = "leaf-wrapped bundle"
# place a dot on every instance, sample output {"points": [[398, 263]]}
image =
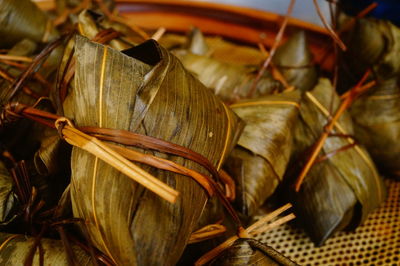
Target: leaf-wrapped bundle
{"points": [[14, 250], [91, 24], [259, 160], [228, 81], [250, 252], [372, 44], [295, 61], [213, 46], [147, 91], [342, 188], [376, 44], [376, 118], [23, 19], [222, 50]]}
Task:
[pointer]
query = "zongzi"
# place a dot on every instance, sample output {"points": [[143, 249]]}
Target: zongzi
{"points": [[372, 44], [376, 118], [90, 24], [343, 186], [259, 160], [375, 44], [14, 250], [134, 91], [22, 19], [295, 61], [229, 80], [250, 252]]}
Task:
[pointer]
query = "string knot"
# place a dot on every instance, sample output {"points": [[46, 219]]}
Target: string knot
{"points": [[11, 113], [61, 123]]}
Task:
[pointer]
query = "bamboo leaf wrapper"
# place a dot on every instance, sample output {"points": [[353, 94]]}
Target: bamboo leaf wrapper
{"points": [[340, 191], [147, 92]]}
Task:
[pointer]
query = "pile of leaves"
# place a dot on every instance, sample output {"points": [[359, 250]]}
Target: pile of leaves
{"points": [[121, 146]]}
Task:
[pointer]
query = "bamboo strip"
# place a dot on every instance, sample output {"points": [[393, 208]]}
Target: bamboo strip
{"points": [[329, 127], [207, 232], [106, 154], [16, 58], [252, 230]]}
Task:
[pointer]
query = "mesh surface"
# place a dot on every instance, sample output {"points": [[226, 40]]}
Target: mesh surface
{"points": [[376, 242]]}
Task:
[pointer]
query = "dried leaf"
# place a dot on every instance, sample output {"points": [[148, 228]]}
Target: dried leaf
{"points": [[228, 81], [251, 252], [139, 88], [340, 191], [14, 250], [91, 23], [372, 44], [23, 19], [295, 61], [376, 120], [259, 160]]}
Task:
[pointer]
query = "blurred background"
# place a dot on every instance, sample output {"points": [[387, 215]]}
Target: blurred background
{"points": [[304, 9]]}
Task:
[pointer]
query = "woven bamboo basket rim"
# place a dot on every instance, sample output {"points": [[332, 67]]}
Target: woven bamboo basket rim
{"points": [[237, 23]]}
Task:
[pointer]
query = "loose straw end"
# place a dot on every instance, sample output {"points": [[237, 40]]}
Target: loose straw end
{"points": [[105, 153], [173, 198]]}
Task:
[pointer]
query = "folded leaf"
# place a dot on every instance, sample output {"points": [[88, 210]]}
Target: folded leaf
{"points": [[144, 90], [251, 252], [376, 118], [222, 50], [23, 19], [15, 248], [91, 23], [196, 43], [259, 160], [228, 81], [295, 61], [372, 44], [342, 188]]}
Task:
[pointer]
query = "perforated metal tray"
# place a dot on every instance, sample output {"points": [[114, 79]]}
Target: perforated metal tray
{"points": [[376, 242]]}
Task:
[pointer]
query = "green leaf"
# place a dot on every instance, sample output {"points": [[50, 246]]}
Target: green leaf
{"points": [[14, 249], [251, 252], [339, 192], [228, 81], [295, 61], [372, 44], [376, 118], [147, 91], [23, 19], [259, 160]]}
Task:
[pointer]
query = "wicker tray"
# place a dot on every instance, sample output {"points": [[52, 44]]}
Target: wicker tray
{"points": [[376, 242]]}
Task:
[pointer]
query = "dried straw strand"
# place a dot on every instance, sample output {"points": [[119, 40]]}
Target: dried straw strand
{"points": [[101, 151], [207, 232], [251, 230], [277, 41], [353, 94]]}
